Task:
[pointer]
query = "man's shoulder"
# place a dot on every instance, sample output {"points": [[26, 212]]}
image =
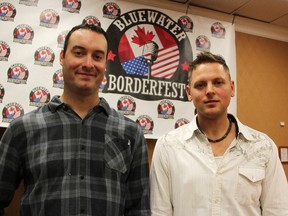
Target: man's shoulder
{"points": [[117, 118], [176, 136], [256, 141], [252, 133], [113, 113], [30, 115]]}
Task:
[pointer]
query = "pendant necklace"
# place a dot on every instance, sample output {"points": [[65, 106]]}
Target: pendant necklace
{"points": [[220, 139]]}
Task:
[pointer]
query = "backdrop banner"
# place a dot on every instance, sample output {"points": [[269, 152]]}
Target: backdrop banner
{"points": [[148, 57]]}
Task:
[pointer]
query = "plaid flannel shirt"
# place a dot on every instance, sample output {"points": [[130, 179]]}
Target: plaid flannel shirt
{"points": [[72, 166]]}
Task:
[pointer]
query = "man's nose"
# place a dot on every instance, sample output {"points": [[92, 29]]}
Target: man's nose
{"points": [[88, 62], [210, 89]]}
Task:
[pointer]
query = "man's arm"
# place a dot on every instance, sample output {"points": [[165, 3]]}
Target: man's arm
{"points": [[159, 180], [9, 170], [137, 188], [274, 198]]}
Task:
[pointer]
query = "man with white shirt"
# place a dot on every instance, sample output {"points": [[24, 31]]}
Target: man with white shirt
{"points": [[215, 165]]}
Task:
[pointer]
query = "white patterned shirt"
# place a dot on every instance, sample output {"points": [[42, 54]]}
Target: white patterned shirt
{"points": [[187, 181]]}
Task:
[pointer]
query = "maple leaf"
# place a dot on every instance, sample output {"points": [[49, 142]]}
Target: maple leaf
{"points": [[142, 36]]}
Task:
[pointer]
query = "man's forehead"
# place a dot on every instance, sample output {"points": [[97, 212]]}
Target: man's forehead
{"points": [[80, 37], [208, 74]]}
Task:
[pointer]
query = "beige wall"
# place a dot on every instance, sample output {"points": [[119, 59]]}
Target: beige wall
{"points": [[262, 82]]}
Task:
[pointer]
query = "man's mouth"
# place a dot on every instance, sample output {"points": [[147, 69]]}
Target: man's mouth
{"points": [[211, 101], [87, 73]]}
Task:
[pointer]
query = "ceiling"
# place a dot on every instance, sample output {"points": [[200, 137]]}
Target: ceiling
{"points": [[274, 12]]}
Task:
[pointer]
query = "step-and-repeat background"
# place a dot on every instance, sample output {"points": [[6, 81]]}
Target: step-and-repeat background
{"points": [[148, 58]]}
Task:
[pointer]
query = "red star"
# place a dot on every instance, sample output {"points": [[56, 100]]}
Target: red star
{"points": [[111, 56], [185, 66]]}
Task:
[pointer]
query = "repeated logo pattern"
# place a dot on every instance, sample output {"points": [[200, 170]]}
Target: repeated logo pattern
{"points": [[147, 62]]}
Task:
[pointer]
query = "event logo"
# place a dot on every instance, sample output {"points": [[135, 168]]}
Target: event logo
{"points": [[23, 34], [72, 6], [218, 30], [91, 20], [44, 56], [4, 51], [49, 18], [12, 111], [7, 11], [166, 109], [186, 23], [180, 122], [18, 74], [146, 123], [58, 81], [126, 105], [61, 38], [111, 10], [2, 93], [29, 2], [203, 43], [39, 96], [149, 56]]}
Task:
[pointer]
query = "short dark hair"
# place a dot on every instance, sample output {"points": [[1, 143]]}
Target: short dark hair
{"points": [[91, 27], [208, 57]]}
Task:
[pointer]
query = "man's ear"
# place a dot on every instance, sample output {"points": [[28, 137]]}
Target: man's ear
{"points": [[233, 89], [61, 57], [188, 93]]}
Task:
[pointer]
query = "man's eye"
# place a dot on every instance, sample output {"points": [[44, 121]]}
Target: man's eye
{"points": [[218, 83], [98, 57], [78, 53], [199, 86]]}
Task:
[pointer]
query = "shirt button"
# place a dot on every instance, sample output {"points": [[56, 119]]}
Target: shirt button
{"points": [[82, 210], [82, 147], [81, 177]]}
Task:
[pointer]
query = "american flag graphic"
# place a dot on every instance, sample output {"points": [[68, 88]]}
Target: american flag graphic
{"points": [[133, 61], [137, 66], [167, 62]]}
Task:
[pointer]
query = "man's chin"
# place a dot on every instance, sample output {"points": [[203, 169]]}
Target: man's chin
{"points": [[87, 90]]}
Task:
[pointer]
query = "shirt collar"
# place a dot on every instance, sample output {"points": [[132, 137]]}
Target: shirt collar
{"points": [[192, 129], [243, 130], [56, 103], [106, 107]]}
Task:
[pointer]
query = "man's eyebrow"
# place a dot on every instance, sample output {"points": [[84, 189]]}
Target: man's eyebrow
{"points": [[82, 48], [100, 51], [77, 47]]}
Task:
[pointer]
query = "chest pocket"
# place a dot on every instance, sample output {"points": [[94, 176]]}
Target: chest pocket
{"points": [[117, 153], [249, 185]]}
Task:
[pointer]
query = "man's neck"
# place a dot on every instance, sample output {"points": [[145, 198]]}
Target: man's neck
{"points": [[81, 104], [213, 127]]}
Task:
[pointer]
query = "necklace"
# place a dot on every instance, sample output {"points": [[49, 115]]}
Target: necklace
{"points": [[220, 139]]}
